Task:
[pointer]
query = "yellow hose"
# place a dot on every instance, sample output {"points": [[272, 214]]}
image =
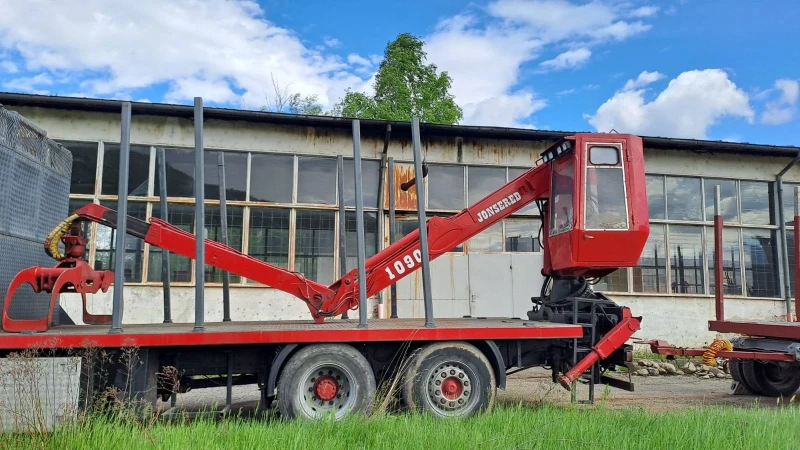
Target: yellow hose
{"points": [[52, 240], [710, 355]]}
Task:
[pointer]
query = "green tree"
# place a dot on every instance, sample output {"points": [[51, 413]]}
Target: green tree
{"points": [[405, 86]]}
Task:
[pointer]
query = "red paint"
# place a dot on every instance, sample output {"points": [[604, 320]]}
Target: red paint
{"points": [[613, 340], [718, 283], [664, 348], [72, 336], [326, 388], [785, 330], [452, 388]]}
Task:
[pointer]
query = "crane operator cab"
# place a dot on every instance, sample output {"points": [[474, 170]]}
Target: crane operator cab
{"points": [[595, 215]]}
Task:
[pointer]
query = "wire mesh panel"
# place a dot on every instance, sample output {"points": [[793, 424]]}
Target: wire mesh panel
{"points": [[34, 197]]}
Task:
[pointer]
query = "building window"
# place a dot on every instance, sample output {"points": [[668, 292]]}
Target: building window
{"points": [[180, 216], [686, 259], [445, 187], [314, 245], [84, 166], [757, 203], [760, 263], [316, 180], [370, 171], [106, 245], [522, 235], [489, 240], [271, 178], [684, 199], [180, 173], [729, 200], [268, 238], [656, 201], [138, 170], [213, 219], [351, 238], [650, 275], [235, 175], [483, 181], [731, 262]]}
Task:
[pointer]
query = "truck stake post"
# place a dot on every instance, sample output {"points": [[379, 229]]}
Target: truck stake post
{"points": [[165, 272], [118, 306], [200, 223], [342, 221], [423, 230], [223, 217], [362, 273]]}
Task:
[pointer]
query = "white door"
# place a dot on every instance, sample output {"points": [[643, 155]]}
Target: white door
{"points": [[490, 284]]}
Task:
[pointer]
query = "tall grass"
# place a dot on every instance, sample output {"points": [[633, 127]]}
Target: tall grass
{"points": [[507, 428]]}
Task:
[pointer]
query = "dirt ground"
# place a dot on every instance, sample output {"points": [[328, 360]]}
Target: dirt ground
{"points": [[534, 387]]}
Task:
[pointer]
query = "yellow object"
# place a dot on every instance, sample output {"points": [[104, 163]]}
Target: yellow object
{"points": [[709, 356], [52, 240]]}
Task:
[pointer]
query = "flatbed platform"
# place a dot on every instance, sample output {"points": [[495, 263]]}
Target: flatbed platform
{"points": [[281, 332], [780, 330]]}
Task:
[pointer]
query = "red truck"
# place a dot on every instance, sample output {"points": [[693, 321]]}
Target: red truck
{"points": [[590, 191]]}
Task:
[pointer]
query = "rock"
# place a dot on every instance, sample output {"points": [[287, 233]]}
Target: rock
{"points": [[706, 377], [720, 374], [680, 372], [690, 368], [652, 371], [669, 368], [717, 372], [641, 372], [662, 371], [643, 363], [705, 368]]}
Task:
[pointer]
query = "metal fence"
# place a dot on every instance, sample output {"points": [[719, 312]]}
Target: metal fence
{"points": [[35, 176]]}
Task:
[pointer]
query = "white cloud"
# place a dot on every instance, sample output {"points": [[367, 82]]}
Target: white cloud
{"points": [[503, 110], [645, 11], [30, 84], [642, 80], [691, 104], [358, 60], [782, 109], [332, 42], [568, 59], [9, 67], [209, 48], [485, 55]]}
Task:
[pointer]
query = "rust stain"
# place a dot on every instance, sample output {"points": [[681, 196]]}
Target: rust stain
{"points": [[403, 200]]}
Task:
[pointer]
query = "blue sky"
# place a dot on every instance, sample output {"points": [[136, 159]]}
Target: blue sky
{"points": [[677, 68]]}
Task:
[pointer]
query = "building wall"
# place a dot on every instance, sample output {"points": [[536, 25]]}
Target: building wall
{"points": [[465, 280]]}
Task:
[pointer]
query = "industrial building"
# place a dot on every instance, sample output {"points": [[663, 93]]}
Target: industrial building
{"points": [[283, 208]]}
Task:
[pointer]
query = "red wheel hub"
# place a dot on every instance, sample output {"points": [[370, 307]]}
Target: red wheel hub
{"points": [[326, 388], [452, 388]]}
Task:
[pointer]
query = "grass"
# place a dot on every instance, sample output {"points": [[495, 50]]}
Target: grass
{"points": [[507, 428]]}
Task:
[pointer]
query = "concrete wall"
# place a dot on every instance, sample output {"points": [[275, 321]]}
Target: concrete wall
{"points": [[679, 319]]}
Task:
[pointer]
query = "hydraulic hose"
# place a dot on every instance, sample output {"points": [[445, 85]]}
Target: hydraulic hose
{"points": [[710, 355], [54, 237]]}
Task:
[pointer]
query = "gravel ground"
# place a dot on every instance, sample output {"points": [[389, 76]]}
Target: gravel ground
{"points": [[534, 387]]}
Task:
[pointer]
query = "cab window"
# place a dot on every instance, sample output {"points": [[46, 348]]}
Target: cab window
{"points": [[605, 190], [563, 186]]}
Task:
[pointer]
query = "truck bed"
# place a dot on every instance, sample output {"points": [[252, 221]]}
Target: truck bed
{"points": [[781, 330], [281, 332]]}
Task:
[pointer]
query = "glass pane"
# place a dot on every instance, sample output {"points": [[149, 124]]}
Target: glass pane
{"points": [[351, 238], [605, 199], [370, 171], [406, 225], [138, 170], [684, 201], [604, 156], [84, 166], [181, 216], [561, 207], [180, 173], [235, 175], [731, 262], [483, 181], [656, 201], [522, 235], [488, 240], [271, 178], [268, 238], [86, 227], [757, 203], [513, 173], [316, 180], [105, 245], [651, 273], [617, 281], [445, 187], [686, 259], [214, 232], [788, 203], [314, 242], [729, 199], [760, 263]]}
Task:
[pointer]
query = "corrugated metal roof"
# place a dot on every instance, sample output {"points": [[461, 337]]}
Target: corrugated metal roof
{"points": [[186, 111]]}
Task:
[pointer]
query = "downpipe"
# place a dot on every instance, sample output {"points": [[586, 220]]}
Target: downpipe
{"points": [[613, 340]]}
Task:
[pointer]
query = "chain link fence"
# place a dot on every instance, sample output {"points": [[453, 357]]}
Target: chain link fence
{"points": [[35, 176]]}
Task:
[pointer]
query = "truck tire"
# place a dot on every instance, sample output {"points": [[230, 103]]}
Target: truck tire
{"points": [[740, 384], [770, 379], [326, 379], [449, 379]]}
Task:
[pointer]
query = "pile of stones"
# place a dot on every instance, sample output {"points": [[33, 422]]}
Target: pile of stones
{"points": [[652, 368]]}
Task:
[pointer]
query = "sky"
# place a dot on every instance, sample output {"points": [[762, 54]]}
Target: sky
{"points": [[675, 68]]}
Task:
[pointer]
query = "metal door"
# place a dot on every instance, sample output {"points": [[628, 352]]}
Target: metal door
{"points": [[491, 285]]}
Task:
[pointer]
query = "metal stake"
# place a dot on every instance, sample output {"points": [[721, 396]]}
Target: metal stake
{"points": [[118, 307], [718, 279], [362, 274], [200, 223], [392, 226], [342, 223], [165, 272], [223, 211], [421, 217]]}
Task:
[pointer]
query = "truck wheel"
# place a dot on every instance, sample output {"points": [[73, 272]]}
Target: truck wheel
{"points": [[326, 379], [735, 367], [770, 379], [449, 379]]}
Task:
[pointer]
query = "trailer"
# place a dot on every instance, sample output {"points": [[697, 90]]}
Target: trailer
{"points": [[763, 357], [590, 191]]}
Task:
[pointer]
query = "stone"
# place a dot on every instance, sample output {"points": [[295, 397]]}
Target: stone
{"points": [[680, 372], [720, 374], [717, 372], [690, 368], [706, 377], [652, 371], [669, 368], [641, 372], [662, 371], [643, 363], [705, 368]]}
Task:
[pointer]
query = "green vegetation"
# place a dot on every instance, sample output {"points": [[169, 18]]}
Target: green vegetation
{"points": [[404, 87], [509, 427]]}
